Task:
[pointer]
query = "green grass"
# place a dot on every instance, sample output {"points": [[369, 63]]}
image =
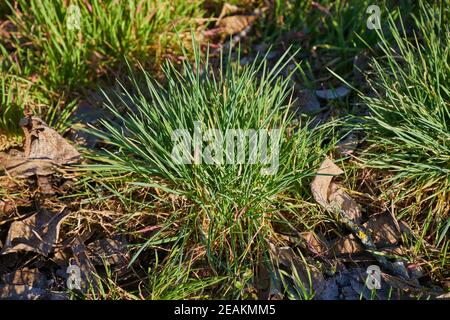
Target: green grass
{"points": [[110, 32], [409, 124], [13, 96], [212, 224], [231, 206], [408, 127], [16, 93], [48, 66], [331, 33]]}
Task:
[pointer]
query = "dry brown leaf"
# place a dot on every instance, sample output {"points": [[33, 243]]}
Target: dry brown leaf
{"points": [[226, 10], [348, 145], [21, 292], [383, 229], [25, 276], [444, 296], [286, 258], [331, 94], [338, 198], [27, 284], [307, 102], [235, 24], [330, 195], [348, 245], [22, 168], [384, 235], [113, 252], [44, 143], [38, 233], [322, 180], [315, 243], [45, 152], [83, 262], [44, 149], [262, 281]]}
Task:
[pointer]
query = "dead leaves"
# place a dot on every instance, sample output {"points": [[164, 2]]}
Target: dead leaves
{"points": [[111, 251], [229, 23], [44, 143], [38, 233], [332, 94], [293, 275], [383, 231], [25, 284], [380, 230], [330, 195], [235, 24], [45, 154]]}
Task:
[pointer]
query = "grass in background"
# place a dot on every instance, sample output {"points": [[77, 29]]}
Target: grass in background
{"points": [[409, 125], [111, 31], [229, 207], [47, 66], [13, 96], [16, 93], [408, 128], [331, 33]]}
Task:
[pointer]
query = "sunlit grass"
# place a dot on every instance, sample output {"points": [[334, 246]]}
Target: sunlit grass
{"points": [[231, 206]]}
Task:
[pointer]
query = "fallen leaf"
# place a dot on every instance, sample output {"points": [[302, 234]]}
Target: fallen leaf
{"points": [[25, 276], [332, 197], [87, 269], [307, 103], [296, 269], [444, 296], [44, 143], [113, 252], [331, 94], [383, 229], [315, 243], [403, 288], [347, 245], [27, 284], [7, 207], [235, 24], [384, 235], [322, 180], [21, 292], [38, 233], [338, 198], [226, 10]]}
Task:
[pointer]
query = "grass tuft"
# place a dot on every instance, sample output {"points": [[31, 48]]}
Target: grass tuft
{"points": [[232, 206]]}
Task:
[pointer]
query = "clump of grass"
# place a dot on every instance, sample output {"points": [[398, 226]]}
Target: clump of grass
{"points": [[331, 33], [16, 93], [409, 123], [410, 113], [12, 98], [65, 57], [230, 207]]}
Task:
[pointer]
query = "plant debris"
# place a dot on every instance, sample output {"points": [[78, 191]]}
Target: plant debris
{"points": [[45, 154], [38, 233]]}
